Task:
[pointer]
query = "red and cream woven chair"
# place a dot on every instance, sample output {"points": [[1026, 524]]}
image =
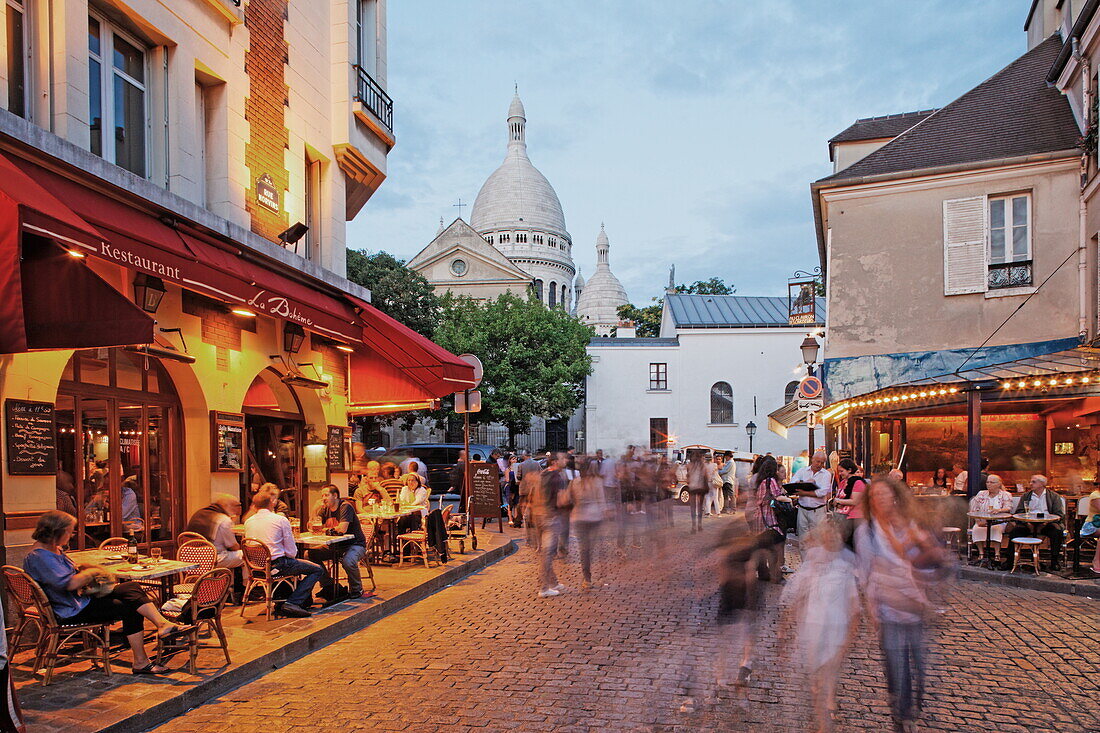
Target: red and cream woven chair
{"points": [[364, 562], [204, 609], [201, 552], [35, 609], [257, 559], [187, 537], [418, 540], [115, 544]]}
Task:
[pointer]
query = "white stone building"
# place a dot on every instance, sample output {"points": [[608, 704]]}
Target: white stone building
{"points": [[599, 299], [721, 361]]}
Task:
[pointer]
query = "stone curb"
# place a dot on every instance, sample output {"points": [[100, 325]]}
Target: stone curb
{"points": [[255, 668], [1078, 587]]}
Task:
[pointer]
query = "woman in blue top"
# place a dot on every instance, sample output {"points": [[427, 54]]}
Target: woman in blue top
{"points": [[62, 583]]}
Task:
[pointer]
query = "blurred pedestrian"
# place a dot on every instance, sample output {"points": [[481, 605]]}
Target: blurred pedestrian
{"points": [[712, 504], [548, 510], [898, 559], [767, 512], [727, 470], [697, 486], [586, 494], [823, 599]]}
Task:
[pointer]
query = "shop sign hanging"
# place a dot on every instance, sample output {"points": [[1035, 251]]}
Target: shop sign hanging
{"points": [[802, 298]]}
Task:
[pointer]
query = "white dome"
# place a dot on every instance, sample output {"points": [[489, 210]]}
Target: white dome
{"points": [[516, 195], [603, 294]]}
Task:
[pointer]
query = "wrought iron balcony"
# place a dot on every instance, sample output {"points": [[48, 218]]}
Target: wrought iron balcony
{"points": [[1010, 275], [373, 97]]}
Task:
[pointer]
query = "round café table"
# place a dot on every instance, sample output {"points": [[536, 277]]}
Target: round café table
{"points": [[990, 518]]}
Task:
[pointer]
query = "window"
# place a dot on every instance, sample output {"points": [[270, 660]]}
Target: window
{"points": [[521, 238], [1009, 242], [658, 376], [721, 404], [504, 238], [366, 35], [489, 238], [789, 392], [458, 267], [564, 297], [553, 292], [553, 241], [116, 96], [18, 56], [658, 433], [311, 204], [537, 238], [538, 290]]}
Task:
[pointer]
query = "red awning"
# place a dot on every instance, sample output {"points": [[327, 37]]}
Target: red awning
{"points": [[396, 365]]}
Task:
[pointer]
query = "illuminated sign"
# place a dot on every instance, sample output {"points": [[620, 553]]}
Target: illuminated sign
{"points": [[267, 195]]}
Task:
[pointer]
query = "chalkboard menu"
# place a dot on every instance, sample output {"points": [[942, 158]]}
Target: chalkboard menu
{"points": [[31, 441], [338, 448], [485, 490]]}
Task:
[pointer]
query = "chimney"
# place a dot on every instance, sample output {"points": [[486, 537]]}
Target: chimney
{"points": [[626, 330]]}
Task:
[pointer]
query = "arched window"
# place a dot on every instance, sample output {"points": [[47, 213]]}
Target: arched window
{"points": [[721, 404], [553, 294], [538, 290], [564, 297], [789, 392]]}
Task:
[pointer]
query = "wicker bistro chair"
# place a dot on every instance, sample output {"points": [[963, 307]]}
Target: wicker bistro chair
{"points": [[116, 544], [257, 559], [201, 552], [204, 609], [418, 540], [187, 537], [34, 609], [368, 534]]}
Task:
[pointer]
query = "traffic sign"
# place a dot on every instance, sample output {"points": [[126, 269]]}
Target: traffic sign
{"points": [[468, 401], [479, 370], [811, 405], [812, 420], [809, 388]]}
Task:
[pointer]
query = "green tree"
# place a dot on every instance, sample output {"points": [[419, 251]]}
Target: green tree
{"points": [[647, 319], [535, 358], [396, 290], [714, 286]]}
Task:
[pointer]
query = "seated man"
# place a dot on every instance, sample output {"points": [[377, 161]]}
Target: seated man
{"points": [[215, 523], [277, 505], [274, 531], [1040, 499], [339, 515]]}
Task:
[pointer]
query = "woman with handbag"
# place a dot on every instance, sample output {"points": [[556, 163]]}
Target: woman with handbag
{"points": [[770, 501], [68, 590]]}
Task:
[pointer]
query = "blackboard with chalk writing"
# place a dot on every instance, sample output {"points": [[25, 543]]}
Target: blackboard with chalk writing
{"points": [[31, 441]]}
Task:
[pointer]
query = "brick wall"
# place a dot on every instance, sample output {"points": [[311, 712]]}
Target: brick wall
{"points": [[335, 362], [265, 110], [218, 327]]}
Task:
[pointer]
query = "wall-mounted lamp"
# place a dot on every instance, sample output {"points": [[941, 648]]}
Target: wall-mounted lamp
{"points": [[148, 292], [292, 235], [242, 312], [293, 337]]}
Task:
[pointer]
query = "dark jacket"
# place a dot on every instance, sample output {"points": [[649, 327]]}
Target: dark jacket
{"points": [[1055, 505], [203, 521], [437, 533]]}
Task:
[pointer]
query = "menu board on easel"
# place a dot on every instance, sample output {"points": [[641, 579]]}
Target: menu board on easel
{"points": [[485, 491], [31, 441], [338, 448], [226, 441]]}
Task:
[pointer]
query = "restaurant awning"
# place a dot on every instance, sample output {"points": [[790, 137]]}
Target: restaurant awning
{"points": [[787, 416], [396, 366], [49, 298]]}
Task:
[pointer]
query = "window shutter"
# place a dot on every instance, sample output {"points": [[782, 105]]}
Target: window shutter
{"points": [[964, 247]]}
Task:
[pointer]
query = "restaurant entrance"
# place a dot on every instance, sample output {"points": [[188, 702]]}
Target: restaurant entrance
{"points": [[118, 439], [274, 430]]}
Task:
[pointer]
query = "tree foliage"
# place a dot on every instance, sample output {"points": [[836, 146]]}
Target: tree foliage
{"points": [[714, 286], [396, 290], [647, 319], [534, 357]]}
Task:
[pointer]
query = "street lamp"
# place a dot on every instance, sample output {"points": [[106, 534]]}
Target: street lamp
{"points": [[148, 292], [810, 349], [751, 430]]}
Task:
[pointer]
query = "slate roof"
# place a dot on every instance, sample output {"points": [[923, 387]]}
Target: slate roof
{"points": [[732, 311], [876, 128], [1014, 113], [637, 341]]}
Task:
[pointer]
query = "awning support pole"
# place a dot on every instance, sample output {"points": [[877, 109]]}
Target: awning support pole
{"points": [[973, 440]]}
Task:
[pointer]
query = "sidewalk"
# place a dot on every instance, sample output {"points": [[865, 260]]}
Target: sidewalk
{"points": [[82, 700]]}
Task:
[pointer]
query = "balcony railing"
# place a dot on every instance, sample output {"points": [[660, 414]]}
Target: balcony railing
{"points": [[1010, 275], [373, 97]]}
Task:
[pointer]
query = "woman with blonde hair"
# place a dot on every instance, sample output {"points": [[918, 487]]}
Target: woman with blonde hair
{"points": [[993, 499]]}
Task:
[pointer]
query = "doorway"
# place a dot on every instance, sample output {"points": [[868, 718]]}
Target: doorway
{"points": [[274, 432]]}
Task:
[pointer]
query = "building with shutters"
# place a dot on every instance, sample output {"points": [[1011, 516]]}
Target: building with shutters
{"points": [[961, 278], [174, 315]]}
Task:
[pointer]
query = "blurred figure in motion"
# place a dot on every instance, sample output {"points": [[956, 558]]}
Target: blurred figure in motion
{"points": [[712, 504], [528, 472], [590, 506], [697, 487], [766, 515], [550, 507], [823, 600], [898, 560]]}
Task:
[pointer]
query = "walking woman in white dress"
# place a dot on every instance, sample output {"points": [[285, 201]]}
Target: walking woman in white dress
{"points": [[823, 599]]}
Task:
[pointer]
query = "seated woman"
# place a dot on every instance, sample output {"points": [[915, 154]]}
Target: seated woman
{"points": [[389, 480], [48, 564], [413, 494], [994, 499]]}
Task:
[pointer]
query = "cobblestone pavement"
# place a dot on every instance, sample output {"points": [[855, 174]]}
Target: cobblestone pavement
{"points": [[488, 654]]}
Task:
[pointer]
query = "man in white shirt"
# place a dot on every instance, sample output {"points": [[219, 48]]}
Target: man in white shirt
{"points": [[811, 504], [274, 531]]}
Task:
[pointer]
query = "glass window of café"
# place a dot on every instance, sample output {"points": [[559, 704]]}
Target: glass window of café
{"points": [[119, 447]]}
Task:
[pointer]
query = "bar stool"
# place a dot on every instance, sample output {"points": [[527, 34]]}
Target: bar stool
{"points": [[1025, 543], [951, 538]]}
